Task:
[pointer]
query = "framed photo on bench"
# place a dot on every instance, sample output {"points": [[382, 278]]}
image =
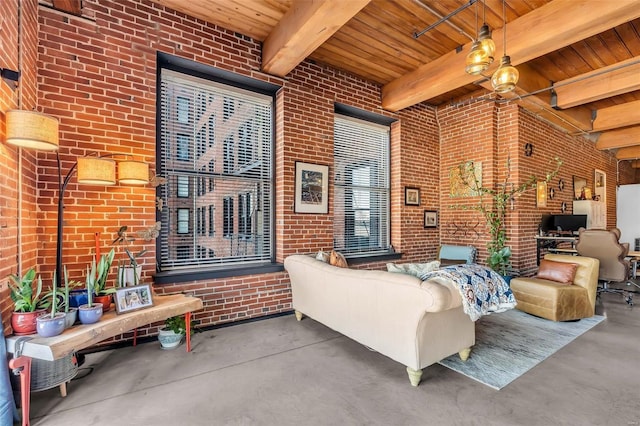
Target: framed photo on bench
{"points": [[129, 299], [430, 218]]}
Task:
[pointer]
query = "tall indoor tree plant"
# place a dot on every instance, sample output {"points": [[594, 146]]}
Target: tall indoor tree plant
{"points": [[493, 204]]}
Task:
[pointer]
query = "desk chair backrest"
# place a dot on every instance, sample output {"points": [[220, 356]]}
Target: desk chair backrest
{"points": [[605, 246]]}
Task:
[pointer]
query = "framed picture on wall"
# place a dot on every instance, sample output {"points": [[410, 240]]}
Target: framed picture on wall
{"points": [[311, 188], [430, 218], [411, 196]]}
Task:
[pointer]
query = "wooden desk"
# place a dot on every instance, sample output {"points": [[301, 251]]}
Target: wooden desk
{"points": [[82, 336]]}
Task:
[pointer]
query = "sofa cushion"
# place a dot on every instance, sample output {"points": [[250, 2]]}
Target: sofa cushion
{"points": [[415, 269], [337, 259], [560, 272]]}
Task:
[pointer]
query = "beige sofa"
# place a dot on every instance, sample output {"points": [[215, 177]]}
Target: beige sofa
{"points": [[413, 322]]}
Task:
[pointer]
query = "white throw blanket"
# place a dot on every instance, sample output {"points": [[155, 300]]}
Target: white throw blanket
{"points": [[483, 290]]}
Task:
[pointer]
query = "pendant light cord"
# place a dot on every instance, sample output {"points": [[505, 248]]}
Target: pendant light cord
{"points": [[504, 28]]}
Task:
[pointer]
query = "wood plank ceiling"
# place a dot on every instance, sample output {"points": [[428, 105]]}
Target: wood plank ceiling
{"points": [[579, 60]]}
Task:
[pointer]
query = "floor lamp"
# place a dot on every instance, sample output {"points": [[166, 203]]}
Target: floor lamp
{"points": [[29, 129]]}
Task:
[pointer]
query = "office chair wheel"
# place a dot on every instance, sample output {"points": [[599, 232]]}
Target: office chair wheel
{"points": [[629, 299]]}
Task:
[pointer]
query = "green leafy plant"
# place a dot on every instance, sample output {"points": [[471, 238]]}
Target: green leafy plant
{"points": [[493, 204], [178, 325], [24, 297], [103, 266], [61, 295]]}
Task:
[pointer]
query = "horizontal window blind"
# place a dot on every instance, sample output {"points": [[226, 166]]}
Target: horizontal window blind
{"points": [[216, 154], [361, 200]]}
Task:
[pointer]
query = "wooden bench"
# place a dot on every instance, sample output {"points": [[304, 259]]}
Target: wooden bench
{"points": [[82, 336]]}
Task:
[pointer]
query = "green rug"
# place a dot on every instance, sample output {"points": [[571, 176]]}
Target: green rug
{"points": [[510, 343]]}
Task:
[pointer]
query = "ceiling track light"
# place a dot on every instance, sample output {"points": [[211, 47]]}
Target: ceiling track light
{"points": [[505, 78]]}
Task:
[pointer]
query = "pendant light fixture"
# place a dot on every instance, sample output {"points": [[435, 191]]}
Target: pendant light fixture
{"points": [[506, 76], [486, 42], [477, 59]]}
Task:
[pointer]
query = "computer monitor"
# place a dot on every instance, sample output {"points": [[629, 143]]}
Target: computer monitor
{"points": [[546, 223], [569, 222]]}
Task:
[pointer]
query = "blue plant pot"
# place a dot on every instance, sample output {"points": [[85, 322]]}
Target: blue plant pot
{"points": [[49, 327], [90, 315], [507, 279], [77, 298]]}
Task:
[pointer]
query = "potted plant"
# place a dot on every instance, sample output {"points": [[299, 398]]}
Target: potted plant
{"points": [[175, 328], [26, 302], [90, 312], [49, 325], [65, 301], [495, 210], [102, 294], [129, 271]]}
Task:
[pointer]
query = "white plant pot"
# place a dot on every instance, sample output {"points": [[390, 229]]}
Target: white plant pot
{"points": [[168, 339], [126, 278]]}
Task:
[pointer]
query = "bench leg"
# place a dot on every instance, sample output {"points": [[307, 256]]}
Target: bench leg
{"points": [[187, 323], [298, 315], [23, 365]]}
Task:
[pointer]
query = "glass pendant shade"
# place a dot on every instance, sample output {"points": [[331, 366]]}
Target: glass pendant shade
{"points": [[506, 77], [96, 171], [133, 172], [486, 42], [477, 59], [30, 129]]}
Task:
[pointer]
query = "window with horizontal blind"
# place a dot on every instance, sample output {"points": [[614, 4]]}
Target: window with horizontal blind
{"points": [[361, 192], [215, 150]]}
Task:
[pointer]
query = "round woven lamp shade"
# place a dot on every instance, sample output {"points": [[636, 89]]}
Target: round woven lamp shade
{"points": [[133, 172], [30, 129], [96, 171]]}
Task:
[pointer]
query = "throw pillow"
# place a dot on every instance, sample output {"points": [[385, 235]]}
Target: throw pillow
{"points": [[415, 269], [560, 272], [322, 256], [337, 259]]}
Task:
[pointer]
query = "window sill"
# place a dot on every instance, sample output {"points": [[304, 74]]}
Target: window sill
{"points": [[185, 275], [355, 259]]}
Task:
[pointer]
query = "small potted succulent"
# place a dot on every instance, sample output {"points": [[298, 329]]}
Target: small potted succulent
{"points": [[64, 299], [175, 328], [90, 312], [53, 324], [102, 294], [26, 301]]}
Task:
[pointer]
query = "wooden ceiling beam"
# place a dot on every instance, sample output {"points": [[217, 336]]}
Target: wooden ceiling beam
{"points": [[620, 138], [69, 6], [548, 28], [627, 114], [305, 26], [573, 120], [599, 84], [628, 153]]}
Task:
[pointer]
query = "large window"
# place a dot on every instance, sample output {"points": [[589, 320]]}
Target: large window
{"points": [[361, 201], [215, 148]]}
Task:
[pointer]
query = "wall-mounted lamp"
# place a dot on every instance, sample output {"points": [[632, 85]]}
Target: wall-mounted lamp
{"points": [[10, 76], [30, 129]]}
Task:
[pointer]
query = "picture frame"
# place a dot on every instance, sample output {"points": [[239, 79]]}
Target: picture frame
{"points": [[128, 299], [430, 218], [411, 196], [541, 194], [311, 188]]}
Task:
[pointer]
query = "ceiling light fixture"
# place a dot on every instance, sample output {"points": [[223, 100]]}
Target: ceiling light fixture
{"points": [[486, 42], [506, 76], [477, 59]]}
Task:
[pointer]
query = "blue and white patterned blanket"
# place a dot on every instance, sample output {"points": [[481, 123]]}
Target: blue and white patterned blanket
{"points": [[483, 290]]}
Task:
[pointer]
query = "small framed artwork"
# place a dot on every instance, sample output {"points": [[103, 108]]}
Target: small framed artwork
{"points": [[411, 196], [311, 188], [430, 218], [129, 299], [541, 194]]}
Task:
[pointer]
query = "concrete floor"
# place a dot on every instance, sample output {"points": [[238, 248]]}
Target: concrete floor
{"points": [[282, 372]]}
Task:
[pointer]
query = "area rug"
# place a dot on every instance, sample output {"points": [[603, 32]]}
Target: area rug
{"points": [[509, 344]]}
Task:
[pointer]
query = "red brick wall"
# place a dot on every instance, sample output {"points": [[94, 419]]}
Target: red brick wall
{"points": [[18, 226]]}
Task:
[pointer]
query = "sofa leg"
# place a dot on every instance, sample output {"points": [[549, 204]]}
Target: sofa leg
{"points": [[464, 354], [414, 376], [298, 315]]}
